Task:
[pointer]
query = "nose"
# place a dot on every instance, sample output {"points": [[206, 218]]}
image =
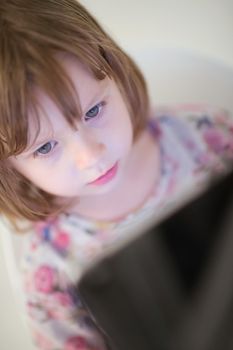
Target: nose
{"points": [[89, 151]]}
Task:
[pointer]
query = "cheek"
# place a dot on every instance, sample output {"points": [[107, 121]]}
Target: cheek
{"points": [[124, 132], [48, 181], [120, 129], [59, 180], [58, 184], [126, 139], [52, 180]]}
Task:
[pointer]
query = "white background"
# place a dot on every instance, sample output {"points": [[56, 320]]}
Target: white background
{"points": [[205, 26]]}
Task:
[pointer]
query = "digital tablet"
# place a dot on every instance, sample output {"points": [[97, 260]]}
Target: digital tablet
{"points": [[144, 294]]}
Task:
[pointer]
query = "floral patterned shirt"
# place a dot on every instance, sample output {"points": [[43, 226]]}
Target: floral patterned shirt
{"points": [[194, 140]]}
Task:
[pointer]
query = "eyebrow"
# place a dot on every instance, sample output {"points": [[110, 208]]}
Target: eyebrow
{"points": [[104, 90]]}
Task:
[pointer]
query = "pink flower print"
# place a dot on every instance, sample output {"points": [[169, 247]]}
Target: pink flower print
{"points": [[45, 279], [215, 139], [190, 145], [61, 240], [221, 119], [76, 343], [203, 159], [224, 120], [33, 246], [40, 227], [42, 342], [58, 305], [63, 299]]}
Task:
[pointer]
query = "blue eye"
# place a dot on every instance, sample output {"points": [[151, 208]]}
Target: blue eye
{"points": [[46, 148], [94, 111]]}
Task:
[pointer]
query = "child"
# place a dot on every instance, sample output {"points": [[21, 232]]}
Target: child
{"points": [[82, 154]]}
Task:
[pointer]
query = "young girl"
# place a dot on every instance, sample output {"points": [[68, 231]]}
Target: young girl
{"points": [[82, 155]]}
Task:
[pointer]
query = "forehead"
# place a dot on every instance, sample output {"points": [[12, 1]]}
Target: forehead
{"points": [[83, 79], [87, 88]]}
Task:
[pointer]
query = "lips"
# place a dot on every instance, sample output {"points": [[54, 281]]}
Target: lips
{"points": [[105, 178]]}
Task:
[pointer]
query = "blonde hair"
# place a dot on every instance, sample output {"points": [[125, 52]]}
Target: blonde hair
{"points": [[31, 34]]}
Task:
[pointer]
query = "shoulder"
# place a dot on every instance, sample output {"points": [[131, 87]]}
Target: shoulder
{"points": [[43, 262], [199, 126], [48, 244], [63, 245], [50, 272]]}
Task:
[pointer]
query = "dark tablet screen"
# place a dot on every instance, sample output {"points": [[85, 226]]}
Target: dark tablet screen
{"points": [[140, 294]]}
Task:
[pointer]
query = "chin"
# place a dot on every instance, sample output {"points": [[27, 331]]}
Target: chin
{"points": [[103, 189]]}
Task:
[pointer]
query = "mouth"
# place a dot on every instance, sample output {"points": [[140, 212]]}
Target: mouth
{"points": [[106, 177]]}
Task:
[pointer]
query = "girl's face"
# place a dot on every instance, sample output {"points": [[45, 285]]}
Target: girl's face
{"points": [[86, 161]]}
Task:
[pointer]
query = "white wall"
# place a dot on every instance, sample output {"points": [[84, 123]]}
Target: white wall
{"points": [[202, 25], [205, 26]]}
